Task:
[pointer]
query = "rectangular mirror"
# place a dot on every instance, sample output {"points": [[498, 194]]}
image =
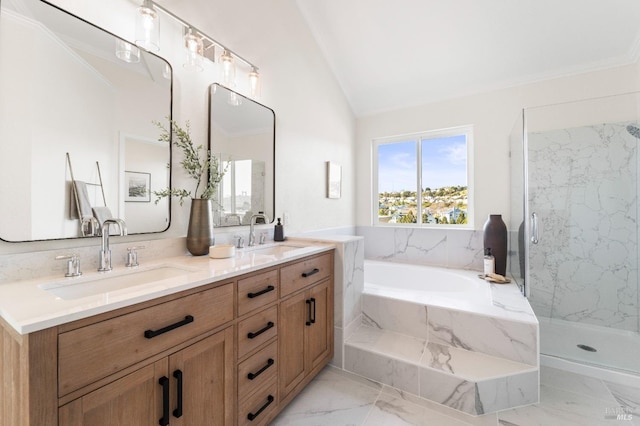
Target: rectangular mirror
{"points": [[242, 134], [77, 100]]}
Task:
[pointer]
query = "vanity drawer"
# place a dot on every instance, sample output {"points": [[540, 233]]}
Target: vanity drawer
{"points": [[256, 330], [257, 291], [257, 370], [257, 409], [91, 353], [302, 274]]}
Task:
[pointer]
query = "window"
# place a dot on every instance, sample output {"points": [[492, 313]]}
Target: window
{"points": [[423, 179]]}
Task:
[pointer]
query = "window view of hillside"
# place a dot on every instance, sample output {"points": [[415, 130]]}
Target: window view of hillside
{"points": [[441, 173]]}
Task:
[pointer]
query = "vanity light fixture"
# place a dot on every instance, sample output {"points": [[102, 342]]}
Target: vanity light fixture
{"points": [[195, 50], [198, 45], [254, 83], [127, 52], [148, 27]]}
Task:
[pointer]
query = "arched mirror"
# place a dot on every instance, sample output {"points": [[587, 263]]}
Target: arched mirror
{"points": [[76, 111], [242, 134]]}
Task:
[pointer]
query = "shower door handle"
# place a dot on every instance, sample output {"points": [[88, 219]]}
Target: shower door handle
{"points": [[534, 228]]}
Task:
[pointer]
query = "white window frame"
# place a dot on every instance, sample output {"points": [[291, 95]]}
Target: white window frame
{"points": [[466, 130]]}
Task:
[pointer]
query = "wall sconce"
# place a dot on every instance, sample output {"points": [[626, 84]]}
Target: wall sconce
{"points": [[195, 50], [148, 27], [127, 52]]}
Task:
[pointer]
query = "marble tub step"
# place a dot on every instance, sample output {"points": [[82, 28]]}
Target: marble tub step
{"points": [[471, 382]]}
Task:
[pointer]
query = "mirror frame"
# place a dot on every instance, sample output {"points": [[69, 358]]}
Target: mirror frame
{"points": [[210, 144], [119, 172]]}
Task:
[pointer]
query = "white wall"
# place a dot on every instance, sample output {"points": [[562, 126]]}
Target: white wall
{"points": [[313, 121], [493, 115]]}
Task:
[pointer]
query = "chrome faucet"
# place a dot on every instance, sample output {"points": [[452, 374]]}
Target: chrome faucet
{"points": [[252, 231], [105, 251]]}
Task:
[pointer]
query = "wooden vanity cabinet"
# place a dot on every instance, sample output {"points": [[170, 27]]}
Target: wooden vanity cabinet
{"points": [[230, 353], [193, 386], [306, 323]]}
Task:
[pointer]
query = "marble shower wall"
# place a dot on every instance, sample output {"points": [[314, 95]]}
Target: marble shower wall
{"points": [[583, 187]]}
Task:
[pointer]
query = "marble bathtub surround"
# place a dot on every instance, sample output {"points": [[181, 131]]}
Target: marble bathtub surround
{"points": [[478, 360], [450, 248]]}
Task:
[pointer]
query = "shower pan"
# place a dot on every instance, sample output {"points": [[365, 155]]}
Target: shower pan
{"points": [[574, 228]]}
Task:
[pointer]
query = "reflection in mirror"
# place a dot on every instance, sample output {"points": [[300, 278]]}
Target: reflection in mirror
{"points": [[242, 133], [64, 90]]}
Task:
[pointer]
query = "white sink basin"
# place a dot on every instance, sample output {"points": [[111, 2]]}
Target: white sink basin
{"points": [[75, 288]]}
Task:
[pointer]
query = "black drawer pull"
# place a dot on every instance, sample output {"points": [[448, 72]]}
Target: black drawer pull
{"points": [[164, 382], [178, 411], [252, 376], [261, 292], [252, 416], [252, 335], [312, 272], [150, 334]]}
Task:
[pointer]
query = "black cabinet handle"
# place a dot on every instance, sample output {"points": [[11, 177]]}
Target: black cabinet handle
{"points": [[308, 302], [178, 411], [252, 376], [150, 334], [252, 335], [164, 382], [312, 272], [252, 416], [261, 292], [313, 318]]}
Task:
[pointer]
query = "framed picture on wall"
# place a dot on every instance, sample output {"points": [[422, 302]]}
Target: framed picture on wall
{"points": [[334, 180], [137, 187]]}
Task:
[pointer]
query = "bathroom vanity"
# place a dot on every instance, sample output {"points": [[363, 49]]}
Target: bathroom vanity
{"points": [[229, 341]]}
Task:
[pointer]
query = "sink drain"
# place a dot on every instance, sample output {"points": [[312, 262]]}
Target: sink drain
{"points": [[587, 348]]}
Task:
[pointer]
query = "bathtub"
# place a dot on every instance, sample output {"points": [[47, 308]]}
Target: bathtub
{"points": [[427, 285]]}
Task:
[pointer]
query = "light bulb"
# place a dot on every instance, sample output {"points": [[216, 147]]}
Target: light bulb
{"points": [[228, 69], [254, 83], [147, 27], [195, 50]]}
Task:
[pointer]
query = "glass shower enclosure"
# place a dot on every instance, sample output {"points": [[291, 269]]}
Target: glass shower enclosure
{"points": [[574, 227]]}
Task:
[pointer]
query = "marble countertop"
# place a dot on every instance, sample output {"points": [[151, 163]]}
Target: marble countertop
{"points": [[33, 305]]}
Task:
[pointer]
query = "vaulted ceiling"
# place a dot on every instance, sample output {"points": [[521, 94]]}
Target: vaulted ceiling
{"points": [[392, 54]]}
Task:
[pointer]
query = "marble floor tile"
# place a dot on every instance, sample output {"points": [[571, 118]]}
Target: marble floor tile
{"points": [[463, 418], [331, 399], [560, 407], [391, 411], [573, 382], [626, 396], [338, 398]]}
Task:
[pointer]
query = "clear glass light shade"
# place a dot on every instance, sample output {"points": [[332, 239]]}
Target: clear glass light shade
{"points": [[234, 99], [195, 50], [254, 83], [127, 52], [228, 69], [147, 27]]}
